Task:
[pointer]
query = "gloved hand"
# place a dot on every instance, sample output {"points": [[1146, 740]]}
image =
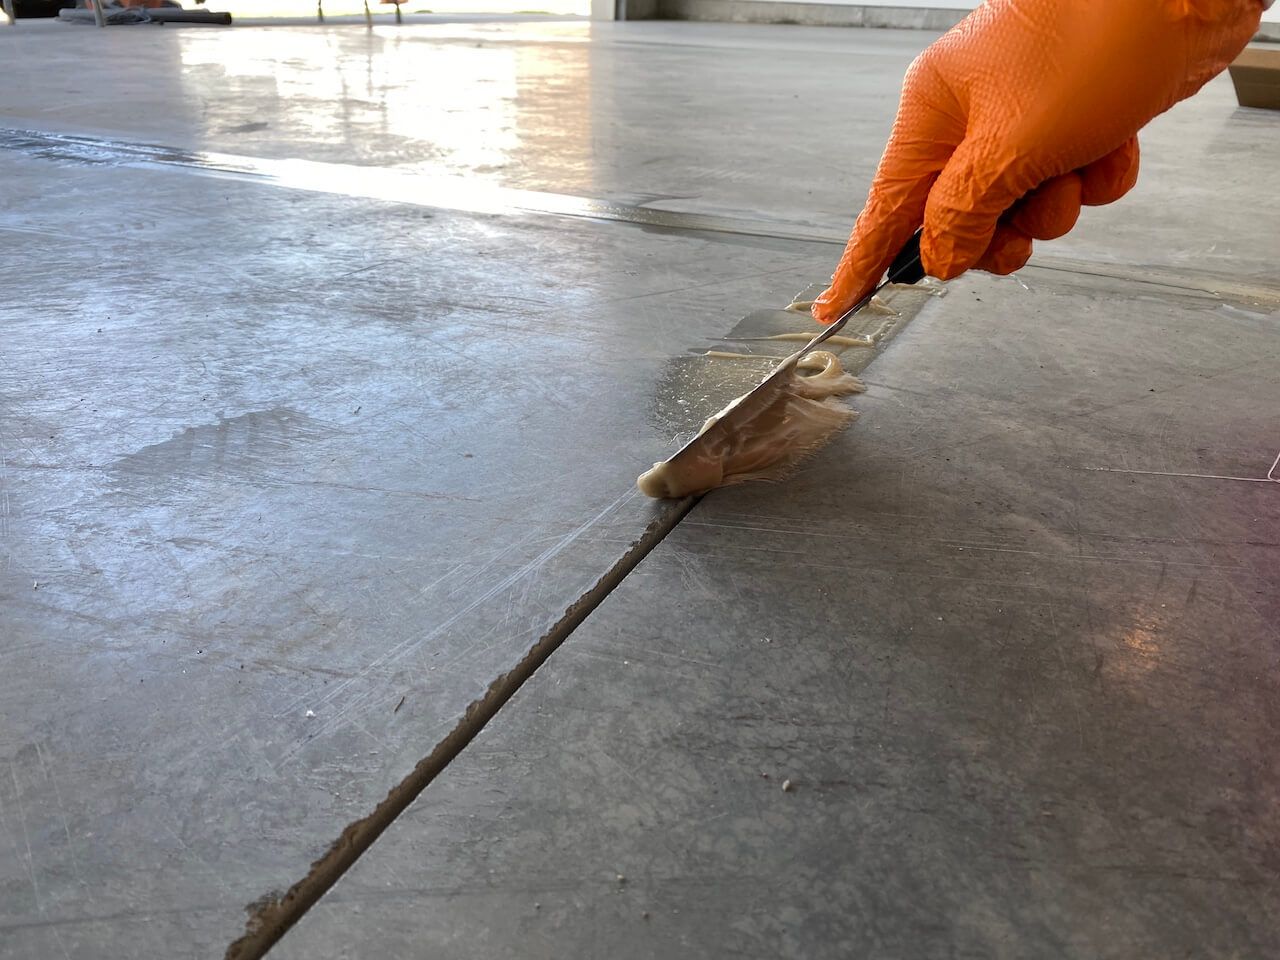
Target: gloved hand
{"points": [[1017, 116]]}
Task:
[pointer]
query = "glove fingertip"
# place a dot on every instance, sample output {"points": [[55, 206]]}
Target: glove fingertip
{"points": [[947, 254], [1109, 178], [1008, 253], [826, 308], [1051, 210]]}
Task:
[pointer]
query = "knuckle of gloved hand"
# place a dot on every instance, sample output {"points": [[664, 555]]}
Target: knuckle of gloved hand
{"points": [[923, 62], [925, 72]]}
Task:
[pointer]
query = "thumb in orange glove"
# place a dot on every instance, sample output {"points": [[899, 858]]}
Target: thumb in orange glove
{"points": [[1017, 116]]}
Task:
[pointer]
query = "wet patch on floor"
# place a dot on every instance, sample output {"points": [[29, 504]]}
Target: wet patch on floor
{"points": [[232, 445], [692, 388]]}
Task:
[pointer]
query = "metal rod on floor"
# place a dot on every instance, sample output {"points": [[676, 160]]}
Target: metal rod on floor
{"points": [[98, 16], [368, 17], [320, 11]]}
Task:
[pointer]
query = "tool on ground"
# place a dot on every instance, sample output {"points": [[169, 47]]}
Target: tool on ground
{"points": [[700, 465]]}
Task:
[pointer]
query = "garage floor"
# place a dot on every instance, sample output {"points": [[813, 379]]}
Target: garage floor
{"points": [[329, 358]]}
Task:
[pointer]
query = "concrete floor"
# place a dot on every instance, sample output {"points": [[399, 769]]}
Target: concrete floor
{"points": [[1026, 709], [289, 477]]}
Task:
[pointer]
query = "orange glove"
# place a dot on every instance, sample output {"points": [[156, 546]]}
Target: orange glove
{"points": [[1017, 116]]}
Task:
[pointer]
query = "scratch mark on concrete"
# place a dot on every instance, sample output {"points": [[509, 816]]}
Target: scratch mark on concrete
{"points": [[26, 836], [62, 816]]}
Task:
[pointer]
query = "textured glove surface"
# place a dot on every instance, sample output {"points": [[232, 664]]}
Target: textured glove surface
{"points": [[1017, 116]]}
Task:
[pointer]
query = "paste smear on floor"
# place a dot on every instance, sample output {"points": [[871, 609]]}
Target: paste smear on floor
{"points": [[877, 305], [769, 436], [836, 344]]}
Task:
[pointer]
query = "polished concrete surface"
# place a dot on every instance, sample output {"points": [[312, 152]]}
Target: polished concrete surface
{"points": [[290, 475], [958, 690], [783, 121], [274, 462]]}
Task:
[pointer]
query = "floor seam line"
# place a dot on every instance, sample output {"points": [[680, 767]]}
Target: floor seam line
{"points": [[448, 192], [271, 917]]}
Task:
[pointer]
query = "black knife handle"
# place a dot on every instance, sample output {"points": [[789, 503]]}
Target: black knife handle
{"points": [[906, 266]]}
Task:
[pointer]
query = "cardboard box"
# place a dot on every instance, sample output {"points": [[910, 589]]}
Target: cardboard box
{"points": [[1256, 74]]}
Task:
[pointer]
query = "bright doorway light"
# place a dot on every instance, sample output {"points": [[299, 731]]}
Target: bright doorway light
{"points": [[254, 9]]}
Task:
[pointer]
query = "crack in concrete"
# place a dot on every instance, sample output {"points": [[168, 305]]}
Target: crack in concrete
{"points": [[271, 916]]}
